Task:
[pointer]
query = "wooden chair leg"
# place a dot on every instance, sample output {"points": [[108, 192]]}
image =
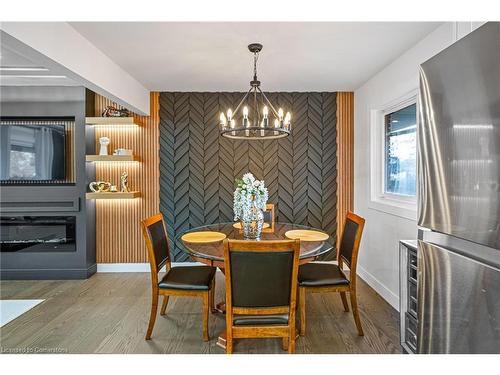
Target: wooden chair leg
{"points": [[152, 316], [302, 312], [285, 343], [355, 312], [344, 301], [291, 340], [164, 305], [212, 297], [229, 340], [206, 309]]}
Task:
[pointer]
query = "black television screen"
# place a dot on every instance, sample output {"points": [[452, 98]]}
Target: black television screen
{"points": [[32, 152]]}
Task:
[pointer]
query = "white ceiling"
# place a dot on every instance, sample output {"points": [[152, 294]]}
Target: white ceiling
{"points": [[204, 56]]}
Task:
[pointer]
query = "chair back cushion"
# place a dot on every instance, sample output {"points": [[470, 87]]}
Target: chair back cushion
{"points": [[261, 274], [156, 241], [351, 237], [268, 216], [269, 213], [261, 279]]}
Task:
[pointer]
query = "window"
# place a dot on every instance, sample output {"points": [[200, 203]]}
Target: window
{"points": [[393, 151], [400, 151]]}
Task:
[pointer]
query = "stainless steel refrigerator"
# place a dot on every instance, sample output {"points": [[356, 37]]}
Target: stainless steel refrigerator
{"points": [[459, 197]]}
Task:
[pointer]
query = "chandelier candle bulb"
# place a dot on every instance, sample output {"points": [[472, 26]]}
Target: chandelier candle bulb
{"points": [[264, 124], [222, 120], [229, 115], [246, 123], [276, 125], [288, 117], [265, 120], [280, 114]]}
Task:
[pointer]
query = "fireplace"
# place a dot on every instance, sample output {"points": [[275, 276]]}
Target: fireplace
{"points": [[37, 234]]}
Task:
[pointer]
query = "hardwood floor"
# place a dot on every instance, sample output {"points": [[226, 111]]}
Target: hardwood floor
{"points": [[108, 313]]}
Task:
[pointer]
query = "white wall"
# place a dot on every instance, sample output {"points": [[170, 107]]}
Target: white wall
{"points": [[379, 252]]}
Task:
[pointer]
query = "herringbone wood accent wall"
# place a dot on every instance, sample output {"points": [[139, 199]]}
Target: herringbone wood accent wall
{"points": [[118, 233], [198, 167]]}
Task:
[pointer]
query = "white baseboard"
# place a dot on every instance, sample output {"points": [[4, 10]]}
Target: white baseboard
{"points": [[137, 267], [389, 296]]}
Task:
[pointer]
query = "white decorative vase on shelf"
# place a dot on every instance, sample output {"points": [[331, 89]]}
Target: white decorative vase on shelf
{"points": [[250, 198], [104, 142]]}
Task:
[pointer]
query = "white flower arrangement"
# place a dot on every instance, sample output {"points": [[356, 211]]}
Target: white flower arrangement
{"points": [[247, 189]]}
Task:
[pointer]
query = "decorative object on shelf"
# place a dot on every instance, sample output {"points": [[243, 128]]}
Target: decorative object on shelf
{"points": [[111, 111], [104, 142], [253, 126], [124, 182], [99, 186], [250, 198], [123, 151], [113, 189]]}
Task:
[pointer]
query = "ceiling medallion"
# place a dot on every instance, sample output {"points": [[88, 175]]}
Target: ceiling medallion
{"points": [[254, 125]]}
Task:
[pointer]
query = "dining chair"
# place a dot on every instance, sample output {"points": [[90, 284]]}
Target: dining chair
{"points": [[188, 281], [261, 290], [326, 277], [269, 213], [269, 218]]}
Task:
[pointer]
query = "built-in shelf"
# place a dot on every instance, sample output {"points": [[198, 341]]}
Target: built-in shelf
{"points": [[112, 158], [114, 121], [116, 195]]}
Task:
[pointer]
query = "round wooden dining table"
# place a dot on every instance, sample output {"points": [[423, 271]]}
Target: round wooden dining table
{"points": [[211, 252]]}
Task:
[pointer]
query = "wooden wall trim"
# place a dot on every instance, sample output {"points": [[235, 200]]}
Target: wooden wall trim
{"points": [[118, 235], [345, 157]]}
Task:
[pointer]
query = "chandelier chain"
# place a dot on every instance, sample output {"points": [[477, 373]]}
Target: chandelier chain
{"points": [[255, 58]]}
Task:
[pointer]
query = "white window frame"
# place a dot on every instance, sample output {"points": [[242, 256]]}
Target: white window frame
{"points": [[395, 204]]}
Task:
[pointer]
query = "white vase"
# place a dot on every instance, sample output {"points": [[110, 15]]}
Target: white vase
{"points": [[104, 142]]}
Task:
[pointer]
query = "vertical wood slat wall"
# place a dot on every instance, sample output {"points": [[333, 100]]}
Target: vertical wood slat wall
{"points": [[118, 234], [345, 157]]}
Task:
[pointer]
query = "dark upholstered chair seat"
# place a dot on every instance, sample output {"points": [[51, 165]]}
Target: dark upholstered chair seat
{"points": [[188, 278], [321, 274], [250, 320]]}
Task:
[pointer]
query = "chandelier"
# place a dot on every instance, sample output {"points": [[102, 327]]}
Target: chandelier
{"points": [[270, 124]]}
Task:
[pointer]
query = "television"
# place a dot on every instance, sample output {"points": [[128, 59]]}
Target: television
{"points": [[32, 153]]}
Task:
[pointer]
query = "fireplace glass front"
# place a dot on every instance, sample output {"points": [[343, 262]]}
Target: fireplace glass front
{"points": [[38, 234]]}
